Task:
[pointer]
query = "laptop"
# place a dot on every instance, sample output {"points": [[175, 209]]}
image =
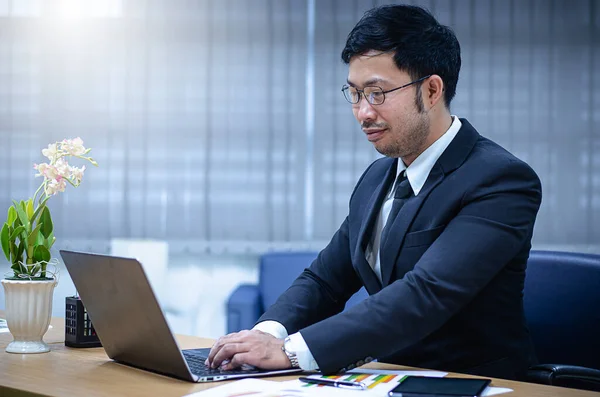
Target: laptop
{"points": [[131, 325]]}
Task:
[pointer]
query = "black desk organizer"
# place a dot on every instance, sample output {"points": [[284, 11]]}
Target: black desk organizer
{"points": [[79, 331]]}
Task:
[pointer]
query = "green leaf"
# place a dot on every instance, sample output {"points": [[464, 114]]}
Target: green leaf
{"points": [[41, 253], [16, 232], [50, 241], [17, 224], [20, 250], [40, 240], [29, 208], [22, 216], [46, 220], [23, 238], [12, 215], [17, 269], [39, 208], [4, 239], [34, 234], [12, 247]]}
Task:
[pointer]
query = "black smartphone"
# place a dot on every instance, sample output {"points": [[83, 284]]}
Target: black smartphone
{"points": [[423, 386]]}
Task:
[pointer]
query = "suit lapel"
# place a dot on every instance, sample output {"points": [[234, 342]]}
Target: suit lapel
{"points": [[371, 281], [452, 158], [395, 239]]}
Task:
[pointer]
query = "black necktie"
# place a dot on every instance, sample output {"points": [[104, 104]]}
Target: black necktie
{"points": [[402, 191]]}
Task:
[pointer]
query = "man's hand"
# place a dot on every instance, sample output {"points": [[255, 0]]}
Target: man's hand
{"points": [[255, 348]]}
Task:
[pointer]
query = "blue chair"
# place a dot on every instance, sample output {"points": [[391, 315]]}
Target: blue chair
{"points": [[277, 272], [562, 308]]}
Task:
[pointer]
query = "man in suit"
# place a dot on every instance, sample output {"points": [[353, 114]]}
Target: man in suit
{"points": [[438, 231]]}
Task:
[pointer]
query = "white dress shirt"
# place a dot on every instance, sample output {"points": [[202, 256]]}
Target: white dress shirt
{"points": [[417, 174]]}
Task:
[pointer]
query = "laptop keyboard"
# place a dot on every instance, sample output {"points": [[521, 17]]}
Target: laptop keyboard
{"points": [[196, 358]]}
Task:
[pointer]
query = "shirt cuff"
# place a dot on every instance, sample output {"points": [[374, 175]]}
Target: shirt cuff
{"points": [[272, 327], [305, 358]]}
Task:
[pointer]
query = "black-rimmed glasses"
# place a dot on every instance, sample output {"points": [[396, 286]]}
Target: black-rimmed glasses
{"points": [[374, 95]]}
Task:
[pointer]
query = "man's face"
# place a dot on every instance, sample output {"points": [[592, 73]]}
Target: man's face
{"points": [[399, 127]]}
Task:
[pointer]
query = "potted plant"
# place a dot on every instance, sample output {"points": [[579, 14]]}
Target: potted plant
{"points": [[26, 239]]}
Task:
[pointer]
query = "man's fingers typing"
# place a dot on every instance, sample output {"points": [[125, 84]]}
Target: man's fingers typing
{"points": [[237, 361], [222, 341], [226, 352], [255, 348]]}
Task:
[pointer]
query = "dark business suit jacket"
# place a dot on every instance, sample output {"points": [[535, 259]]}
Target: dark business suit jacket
{"points": [[451, 295]]}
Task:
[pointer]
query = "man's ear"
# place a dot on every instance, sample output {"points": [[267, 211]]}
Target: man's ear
{"points": [[433, 91]]}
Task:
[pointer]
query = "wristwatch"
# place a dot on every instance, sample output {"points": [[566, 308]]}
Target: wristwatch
{"points": [[290, 354]]}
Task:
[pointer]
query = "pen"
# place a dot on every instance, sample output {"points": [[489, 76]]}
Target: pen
{"points": [[334, 382]]}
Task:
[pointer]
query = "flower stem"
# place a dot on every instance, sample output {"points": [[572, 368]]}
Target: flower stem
{"points": [[37, 191], [70, 182]]}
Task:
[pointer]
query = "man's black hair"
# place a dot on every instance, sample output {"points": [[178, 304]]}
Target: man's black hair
{"points": [[421, 45]]}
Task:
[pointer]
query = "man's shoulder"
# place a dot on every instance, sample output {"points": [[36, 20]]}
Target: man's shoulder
{"points": [[374, 174], [378, 168], [489, 156], [381, 164]]}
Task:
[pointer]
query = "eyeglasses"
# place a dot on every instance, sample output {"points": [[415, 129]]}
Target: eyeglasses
{"points": [[374, 95]]}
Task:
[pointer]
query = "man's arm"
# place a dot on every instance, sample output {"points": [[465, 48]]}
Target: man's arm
{"points": [[321, 290], [273, 328], [297, 344]]}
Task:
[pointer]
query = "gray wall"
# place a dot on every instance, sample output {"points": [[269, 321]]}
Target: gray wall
{"points": [[197, 113]]}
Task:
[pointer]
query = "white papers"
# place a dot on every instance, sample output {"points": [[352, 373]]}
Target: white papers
{"points": [[264, 388], [305, 389], [492, 391], [245, 387]]}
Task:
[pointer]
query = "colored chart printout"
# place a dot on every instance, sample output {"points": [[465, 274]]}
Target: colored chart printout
{"points": [[371, 381]]}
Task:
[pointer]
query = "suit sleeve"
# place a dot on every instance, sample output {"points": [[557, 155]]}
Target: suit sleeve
{"points": [[321, 290], [494, 221]]}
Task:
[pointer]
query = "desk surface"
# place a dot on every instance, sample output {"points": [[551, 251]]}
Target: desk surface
{"points": [[77, 372]]}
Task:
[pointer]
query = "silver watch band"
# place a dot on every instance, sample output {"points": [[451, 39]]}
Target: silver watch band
{"points": [[290, 354]]}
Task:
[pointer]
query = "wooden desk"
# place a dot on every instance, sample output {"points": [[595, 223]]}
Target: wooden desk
{"points": [[89, 372]]}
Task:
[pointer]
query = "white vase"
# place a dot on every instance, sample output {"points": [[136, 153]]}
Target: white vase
{"points": [[28, 312]]}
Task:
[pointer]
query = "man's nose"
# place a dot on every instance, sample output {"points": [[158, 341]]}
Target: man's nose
{"points": [[365, 111]]}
